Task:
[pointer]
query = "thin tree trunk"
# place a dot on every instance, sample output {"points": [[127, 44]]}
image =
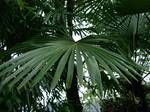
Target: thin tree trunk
{"points": [[73, 96], [140, 91], [72, 93], [66, 22]]}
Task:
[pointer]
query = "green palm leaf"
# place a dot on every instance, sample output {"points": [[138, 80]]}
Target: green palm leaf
{"points": [[31, 67]]}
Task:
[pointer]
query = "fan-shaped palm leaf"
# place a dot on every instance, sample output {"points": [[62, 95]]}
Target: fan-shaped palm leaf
{"points": [[30, 67]]}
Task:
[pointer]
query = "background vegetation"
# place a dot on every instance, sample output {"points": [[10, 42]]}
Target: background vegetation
{"points": [[74, 56]]}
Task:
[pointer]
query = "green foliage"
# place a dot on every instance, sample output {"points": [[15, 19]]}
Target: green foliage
{"points": [[114, 37], [34, 64]]}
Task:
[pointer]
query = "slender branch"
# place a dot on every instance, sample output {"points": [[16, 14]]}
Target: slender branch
{"points": [[146, 75], [147, 17]]}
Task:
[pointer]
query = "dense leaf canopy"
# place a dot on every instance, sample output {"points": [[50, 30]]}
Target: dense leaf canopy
{"points": [[45, 44]]}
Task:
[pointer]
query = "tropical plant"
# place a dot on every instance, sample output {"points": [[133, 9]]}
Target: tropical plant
{"points": [[46, 57]]}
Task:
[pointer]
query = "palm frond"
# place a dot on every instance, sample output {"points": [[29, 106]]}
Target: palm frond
{"points": [[30, 68]]}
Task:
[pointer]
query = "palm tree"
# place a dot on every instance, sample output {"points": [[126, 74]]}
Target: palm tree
{"points": [[51, 56]]}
